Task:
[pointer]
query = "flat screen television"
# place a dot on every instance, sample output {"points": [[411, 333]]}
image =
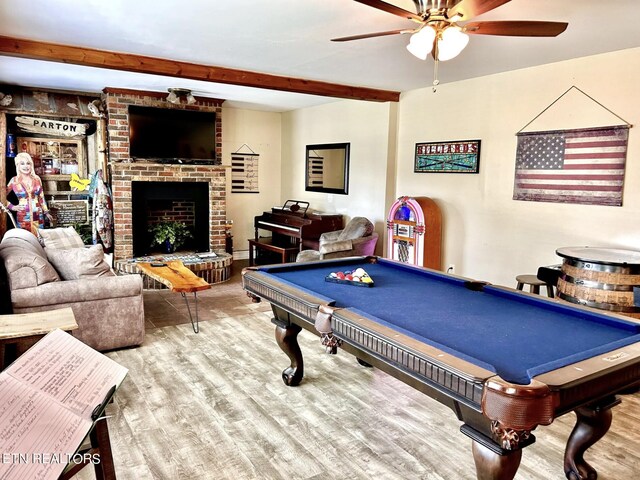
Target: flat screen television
{"points": [[172, 135]]}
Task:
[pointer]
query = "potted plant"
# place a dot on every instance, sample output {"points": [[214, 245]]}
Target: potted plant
{"points": [[169, 235]]}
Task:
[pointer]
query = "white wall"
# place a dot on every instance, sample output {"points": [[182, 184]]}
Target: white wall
{"points": [[261, 131], [369, 128], [487, 235]]}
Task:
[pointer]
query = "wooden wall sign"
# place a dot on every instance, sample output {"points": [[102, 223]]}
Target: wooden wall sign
{"points": [[69, 212], [461, 156], [52, 127]]}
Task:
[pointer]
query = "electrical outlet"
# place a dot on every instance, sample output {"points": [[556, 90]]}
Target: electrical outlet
{"points": [[451, 268]]}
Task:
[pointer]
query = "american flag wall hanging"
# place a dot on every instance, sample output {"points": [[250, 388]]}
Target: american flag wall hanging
{"points": [[584, 166]]}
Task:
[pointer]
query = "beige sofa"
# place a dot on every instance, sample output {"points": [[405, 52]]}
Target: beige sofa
{"points": [[108, 308]]}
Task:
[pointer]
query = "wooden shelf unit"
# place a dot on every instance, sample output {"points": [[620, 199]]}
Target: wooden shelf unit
{"points": [[52, 155]]}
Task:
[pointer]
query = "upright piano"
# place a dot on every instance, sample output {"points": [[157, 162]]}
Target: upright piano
{"points": [[293, 228]]}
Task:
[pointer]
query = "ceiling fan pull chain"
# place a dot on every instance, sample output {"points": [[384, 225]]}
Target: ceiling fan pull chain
{"points": [[436, 82]]}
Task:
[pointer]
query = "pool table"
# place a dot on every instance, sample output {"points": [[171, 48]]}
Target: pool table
{"points": [[504, 361]]}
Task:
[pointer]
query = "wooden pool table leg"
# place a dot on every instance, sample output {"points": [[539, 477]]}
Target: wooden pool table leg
{"points": [[287, 338], [492, 466], [592, 424]]}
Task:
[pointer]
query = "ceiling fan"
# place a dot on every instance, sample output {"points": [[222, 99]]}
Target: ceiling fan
{"points": [[438, 32]]}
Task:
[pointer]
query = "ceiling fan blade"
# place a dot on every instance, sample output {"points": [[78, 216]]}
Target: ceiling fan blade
{"points": [[387, 7], [371, 35], [516, 28], [469, 9]]}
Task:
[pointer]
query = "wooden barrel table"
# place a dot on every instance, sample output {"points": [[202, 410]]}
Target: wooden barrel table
{"points": [[602, 278]]}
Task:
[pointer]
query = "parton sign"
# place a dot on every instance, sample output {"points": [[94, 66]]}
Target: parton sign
{"points": [[48, 126]]}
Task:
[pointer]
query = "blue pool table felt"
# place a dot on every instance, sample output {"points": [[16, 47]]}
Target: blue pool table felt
{"points": [[509, 333]]}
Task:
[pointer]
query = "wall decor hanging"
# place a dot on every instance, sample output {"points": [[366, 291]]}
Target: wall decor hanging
{"points": [[52, 127], [244, 171], [460, 156], [578, 165]]}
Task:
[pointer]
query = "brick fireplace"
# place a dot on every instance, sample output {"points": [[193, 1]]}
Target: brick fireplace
{"points": [[126, 174]]}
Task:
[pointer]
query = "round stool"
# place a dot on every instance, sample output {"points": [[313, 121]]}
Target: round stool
{"points": [[534, 284]]}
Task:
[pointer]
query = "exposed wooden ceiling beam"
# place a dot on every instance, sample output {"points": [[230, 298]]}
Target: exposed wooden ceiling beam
{"points": [[89, 57]]}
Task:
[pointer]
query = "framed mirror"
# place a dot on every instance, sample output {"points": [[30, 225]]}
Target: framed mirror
{"points": [[327, 168]]}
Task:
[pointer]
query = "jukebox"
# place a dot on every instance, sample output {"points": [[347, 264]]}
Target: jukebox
{"points": [[414, 232]]}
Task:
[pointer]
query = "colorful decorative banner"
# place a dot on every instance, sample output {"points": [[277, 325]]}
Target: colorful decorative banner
{"points": [[583, 166], [461, 156]]}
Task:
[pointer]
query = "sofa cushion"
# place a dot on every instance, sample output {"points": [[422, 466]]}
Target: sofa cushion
{"points": [[61, 238], [24, 268], [340, 246], [76, 263], [308, 256], [65, 294]]}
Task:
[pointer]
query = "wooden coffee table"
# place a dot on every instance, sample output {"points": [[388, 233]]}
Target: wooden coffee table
{"points": [[214, 268], [177, 278]]}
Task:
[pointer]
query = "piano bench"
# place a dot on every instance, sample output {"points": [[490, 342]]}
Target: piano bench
{"points": [[286, 253]]}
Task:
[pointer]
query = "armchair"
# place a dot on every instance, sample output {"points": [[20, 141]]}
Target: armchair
{"points": [[357, 238]]}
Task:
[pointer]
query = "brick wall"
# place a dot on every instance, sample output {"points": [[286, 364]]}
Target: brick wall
{"points": [[124, 172], [117, 102], [178, 211]]}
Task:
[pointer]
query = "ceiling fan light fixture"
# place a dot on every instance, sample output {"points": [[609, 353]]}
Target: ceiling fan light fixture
{"points": [[421, 43], [451, 42]]}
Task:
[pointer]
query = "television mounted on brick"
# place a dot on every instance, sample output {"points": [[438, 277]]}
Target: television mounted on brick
{"points": [[172, 136]]}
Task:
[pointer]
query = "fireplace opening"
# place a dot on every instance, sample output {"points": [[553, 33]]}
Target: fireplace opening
{"points": [[154, 202]]}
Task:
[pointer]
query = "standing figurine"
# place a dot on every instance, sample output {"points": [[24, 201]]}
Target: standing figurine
{"points": [[102, 211], [27, 186]]}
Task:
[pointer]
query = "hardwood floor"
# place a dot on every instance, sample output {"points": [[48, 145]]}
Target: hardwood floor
{"points": [[212, 406]]}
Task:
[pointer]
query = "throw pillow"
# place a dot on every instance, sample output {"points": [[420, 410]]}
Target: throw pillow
{"points": [[61, 238], [75, 263], [357, 227]]}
